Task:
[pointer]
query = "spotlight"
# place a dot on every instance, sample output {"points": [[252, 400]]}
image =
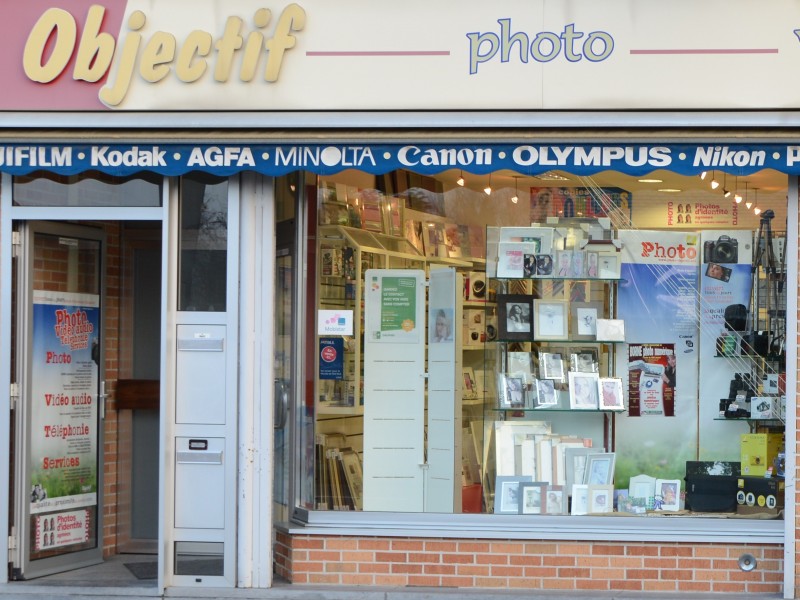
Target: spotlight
{"points": [[703, 174], [725, 193], [460, 180], [757, 211], [738, 198], [488, 189], [515, 197], [714, 182]]}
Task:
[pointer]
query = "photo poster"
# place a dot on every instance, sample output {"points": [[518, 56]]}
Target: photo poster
{"points": [[657, 300], [331, 358], [392, 306], [63, 401], [732, 253], [572, 202], [651, 380]]}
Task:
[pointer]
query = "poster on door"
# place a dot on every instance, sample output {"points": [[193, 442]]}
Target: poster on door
{"points": [[62, 529], [392, 308], [63, 401]]}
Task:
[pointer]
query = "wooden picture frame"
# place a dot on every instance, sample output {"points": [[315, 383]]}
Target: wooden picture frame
{"points": [[515, 317], [584, 391], [506, 493], [555, 501], [600, 469], [611, 394], [668, 494], [550, 320], [580, 499], [583, 319], [532, 497], [601, 499]]}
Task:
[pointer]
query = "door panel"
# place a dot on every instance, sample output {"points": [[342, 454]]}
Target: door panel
{"points": [[59, 463]]}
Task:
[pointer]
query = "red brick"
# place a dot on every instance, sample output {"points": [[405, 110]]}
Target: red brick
{"points": [[350, 579], [406, 569], [505, 571], [608, 549], [424, 580], [373, 568], [525, 559], [463, 559], [591, 584], [472, 570], [408, 545], [559, 561], [439, 569], [625, 585], [390, 557], [574, 572]]}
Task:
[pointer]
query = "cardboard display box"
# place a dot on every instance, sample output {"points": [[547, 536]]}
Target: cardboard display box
{"points": [[759, 451], [760, 495]]}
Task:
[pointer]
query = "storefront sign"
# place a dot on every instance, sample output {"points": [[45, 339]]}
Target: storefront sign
{"points": [[425, 159], [64, 406], [61, 529], [334, 322], [229, 55]]}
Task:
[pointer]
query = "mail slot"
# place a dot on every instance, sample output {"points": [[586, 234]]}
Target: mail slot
{"points": [[199, 484]]}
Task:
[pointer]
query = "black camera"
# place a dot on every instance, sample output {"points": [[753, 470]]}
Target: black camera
{"points": [[723, 250]]}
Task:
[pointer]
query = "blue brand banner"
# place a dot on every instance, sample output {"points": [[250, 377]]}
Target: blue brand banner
{"points": [[331, 358], [427, 159]]}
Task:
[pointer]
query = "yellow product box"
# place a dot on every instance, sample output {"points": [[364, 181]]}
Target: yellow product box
{"points": [[759, 451]]}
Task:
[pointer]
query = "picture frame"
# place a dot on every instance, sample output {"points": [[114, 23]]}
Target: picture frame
{"points": [[580, 500], [592, 265], [575, 460], [578, 263], [579, 290], [600, 468], [668, 494], [555, 500], [610, 330], [550, 320], [515, 317], [541, 236], [469, 388], [545, 393], [551, 366], [545, 265], [608, 266], [611, 394], [506, 493], [532, 497], [584, 391], [563, 266], [553, 289], [583, 319], [642, 486], [511, 391], [601, 499], [584, 360]]}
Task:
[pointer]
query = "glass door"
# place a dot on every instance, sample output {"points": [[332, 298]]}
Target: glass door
{"points": [[60, 403]]}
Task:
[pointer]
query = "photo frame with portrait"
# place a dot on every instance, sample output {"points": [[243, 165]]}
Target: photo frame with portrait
{"points": [[584, 360], [584, 391], [532, 497], [546, 395], [600, 469], [611, 394], [550, 320], [601, 499], [668, 494], [515, 317], [580, 500], [512, 390], [583, 319], [551, 366], [578, 263], [592, 265], [506, 493], [555, 500], [563, 266]]}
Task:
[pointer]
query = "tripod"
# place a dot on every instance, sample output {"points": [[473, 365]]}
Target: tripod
{"points": [[765, 257]]}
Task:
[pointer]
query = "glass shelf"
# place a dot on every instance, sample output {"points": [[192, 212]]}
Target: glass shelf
{"points": [[569, 410]]}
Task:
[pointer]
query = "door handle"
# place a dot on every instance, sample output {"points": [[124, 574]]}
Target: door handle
{"points": [[281, 404]]}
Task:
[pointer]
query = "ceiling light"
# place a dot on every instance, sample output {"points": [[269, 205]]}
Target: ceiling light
{"points": [[748, 204], [488, 189], [670, 190], [460, 180], [551, 176], [515, 197], [726, 193], [738, 198], [651, 181], [757, 211], [714, 182], [703, 174]]}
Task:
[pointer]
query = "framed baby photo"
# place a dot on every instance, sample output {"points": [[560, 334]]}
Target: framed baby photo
{"points": [[550, 319], [532, 497], [601, 498], [514, 317]]}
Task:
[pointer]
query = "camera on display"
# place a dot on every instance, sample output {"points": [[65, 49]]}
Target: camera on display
{"points": [[724, 250]]}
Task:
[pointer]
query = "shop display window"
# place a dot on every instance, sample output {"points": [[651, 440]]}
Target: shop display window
{"points": [[614, 344]]}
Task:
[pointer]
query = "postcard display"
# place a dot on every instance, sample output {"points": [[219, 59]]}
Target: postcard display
{"points": [[549, 418]]}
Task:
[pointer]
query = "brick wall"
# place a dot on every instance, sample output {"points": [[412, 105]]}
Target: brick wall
{"points": [[536, 565]]}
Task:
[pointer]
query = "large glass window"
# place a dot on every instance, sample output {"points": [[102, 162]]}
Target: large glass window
{"points": [[619, 340]]}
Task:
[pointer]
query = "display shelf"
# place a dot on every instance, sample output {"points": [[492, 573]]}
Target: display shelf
{"points": [[558, 410]]}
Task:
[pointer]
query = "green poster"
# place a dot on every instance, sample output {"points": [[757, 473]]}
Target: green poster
{"points": [[398, 305]]}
